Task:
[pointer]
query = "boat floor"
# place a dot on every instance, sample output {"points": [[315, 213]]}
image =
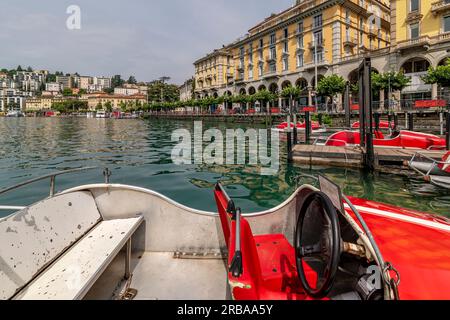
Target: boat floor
{"points": [[160, 276]]}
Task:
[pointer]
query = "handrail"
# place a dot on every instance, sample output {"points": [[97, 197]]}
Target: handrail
{"points": [[51, 176]]}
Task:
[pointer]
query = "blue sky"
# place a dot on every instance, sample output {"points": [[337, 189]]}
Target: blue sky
{"points": [[146, 39]]}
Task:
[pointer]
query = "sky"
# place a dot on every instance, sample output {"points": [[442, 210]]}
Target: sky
{"points": [[144, 38]]}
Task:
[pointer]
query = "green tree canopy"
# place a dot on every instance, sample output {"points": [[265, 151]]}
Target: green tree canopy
{"points": [[439, 75], [331, 85], [291, 92], [397, 81]]}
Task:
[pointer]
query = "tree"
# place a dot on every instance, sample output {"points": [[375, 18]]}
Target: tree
{"points": [[108, 106], [99, 107], [132, 80], [396, 81], [163, 92], [439, 75], [117, 81], [331, 86], [264, 96], [67, 92], [19, 68], [291, 93], [30, 69]]}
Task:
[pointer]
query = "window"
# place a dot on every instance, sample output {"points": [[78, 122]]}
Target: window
{"points": [[273, 67], [447, 24], [317, 21], [300, 60], [250, 73], [414, 5], [414, 30], [260, 69], [261, 43], [318, 38], [300, 42], [285, 63], [273, 53], [347, 16], [300, 27], [272, 39], [286, 33], [250, 53], [285, 47]]}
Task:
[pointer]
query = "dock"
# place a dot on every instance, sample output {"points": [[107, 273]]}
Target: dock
{"points": [[352, 156]]}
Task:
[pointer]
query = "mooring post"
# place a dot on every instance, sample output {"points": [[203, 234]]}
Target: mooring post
{"points": [[295, 129], [395, 121], [307, 127], [376, 116], [289, 139], [447, 130], [411, 122], [406, 120], [441, 122]]}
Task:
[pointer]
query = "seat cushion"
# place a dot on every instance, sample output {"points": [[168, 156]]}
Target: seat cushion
{"points": [[34, 237], [74, 273]]}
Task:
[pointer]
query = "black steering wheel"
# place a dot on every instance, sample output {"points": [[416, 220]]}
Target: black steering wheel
{"points": [[318, 243]]}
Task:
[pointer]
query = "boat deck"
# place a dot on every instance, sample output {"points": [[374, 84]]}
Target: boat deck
{"points": [[353, 156], [160, 276]]}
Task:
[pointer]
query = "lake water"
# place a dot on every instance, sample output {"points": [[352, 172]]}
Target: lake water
{"points": [[138, 152]]}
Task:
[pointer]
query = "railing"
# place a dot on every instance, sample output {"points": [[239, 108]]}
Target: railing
{"points": [[52, 178], [423, 40], [439, 6]]}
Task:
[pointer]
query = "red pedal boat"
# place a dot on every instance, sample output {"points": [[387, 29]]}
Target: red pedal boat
{"points": [[321, 245], [405, 139]]}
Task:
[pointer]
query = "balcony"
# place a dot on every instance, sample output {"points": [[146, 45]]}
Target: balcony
{"points": [[350, 42], [271, 59], [324, 64], [421, 42], [270, 75], [441, 6], [319, 45]]}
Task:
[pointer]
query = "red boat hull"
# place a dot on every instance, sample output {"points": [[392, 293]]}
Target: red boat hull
{"points": [[406, 139]]}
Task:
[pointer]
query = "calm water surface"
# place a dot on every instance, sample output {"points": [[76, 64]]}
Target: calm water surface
{"points": [[139, 153]]}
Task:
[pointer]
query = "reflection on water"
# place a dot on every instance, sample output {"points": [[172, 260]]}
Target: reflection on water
{"points": [[138, 153]]}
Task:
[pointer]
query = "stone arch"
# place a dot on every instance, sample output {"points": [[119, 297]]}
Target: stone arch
{"points": [[251, 90], [286, 84], [215, 95], [262, 87], [242, 91], [415, 64], [273, 87]]}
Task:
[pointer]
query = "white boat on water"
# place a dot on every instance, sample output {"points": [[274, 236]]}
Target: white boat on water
{"points": [[101, 114], [15, 114], [112, 241]]}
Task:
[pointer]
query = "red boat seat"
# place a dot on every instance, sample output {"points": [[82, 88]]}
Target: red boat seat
{"points": [[445, 166], [269, 269]]}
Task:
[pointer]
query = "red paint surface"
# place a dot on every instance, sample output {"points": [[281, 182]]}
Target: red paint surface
{"points": [[406, 139], [383, 125], [430, 103], [420, 253]]}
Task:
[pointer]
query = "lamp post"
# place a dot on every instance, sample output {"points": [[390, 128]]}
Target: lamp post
{"points": [[163, 80]]}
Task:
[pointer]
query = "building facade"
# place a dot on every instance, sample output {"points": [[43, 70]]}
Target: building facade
{"points": [[302, 44], [213, 73], [420, 39], [187, 90]]}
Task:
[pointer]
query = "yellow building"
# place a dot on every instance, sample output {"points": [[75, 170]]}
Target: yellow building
{"points": [[116, 101], [420, 39], [212, 73], [39, 103]]}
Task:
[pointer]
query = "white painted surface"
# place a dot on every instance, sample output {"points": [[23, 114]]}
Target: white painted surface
{"points": [[71, 276], [31, 239]]}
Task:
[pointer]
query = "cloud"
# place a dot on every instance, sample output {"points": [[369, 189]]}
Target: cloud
{"points": [[147, 39]]}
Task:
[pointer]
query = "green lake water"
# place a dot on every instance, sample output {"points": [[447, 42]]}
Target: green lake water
{"points": [[138, 152]]}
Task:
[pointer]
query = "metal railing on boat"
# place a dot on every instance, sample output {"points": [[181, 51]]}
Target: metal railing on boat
{"points": [[52, 177]]}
